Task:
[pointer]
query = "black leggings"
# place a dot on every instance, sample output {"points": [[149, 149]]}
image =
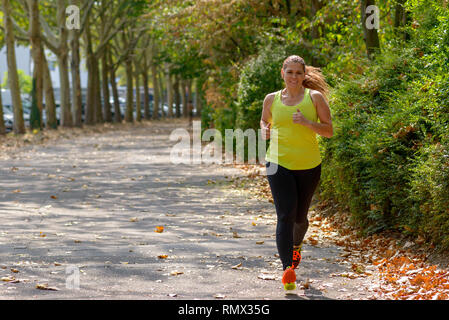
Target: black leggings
{"points": [[292, 192]]}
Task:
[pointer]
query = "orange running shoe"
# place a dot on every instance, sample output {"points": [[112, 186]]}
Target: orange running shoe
{"points": [[296, 257], [289, 279]]}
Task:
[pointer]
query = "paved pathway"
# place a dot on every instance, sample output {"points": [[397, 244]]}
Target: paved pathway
{"points": [[90, 206]]}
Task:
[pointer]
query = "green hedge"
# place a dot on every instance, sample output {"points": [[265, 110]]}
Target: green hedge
{"points": [[388, 161]]}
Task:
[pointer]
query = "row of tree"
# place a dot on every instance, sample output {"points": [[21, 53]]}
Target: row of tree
{"points": [[113, 37]]}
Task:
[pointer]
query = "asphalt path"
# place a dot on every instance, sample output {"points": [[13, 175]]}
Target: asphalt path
{"points": [[80, 218]]}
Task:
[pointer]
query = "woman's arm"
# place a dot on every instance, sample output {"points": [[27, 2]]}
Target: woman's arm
{"points": [[265, 121], [324, 127]]}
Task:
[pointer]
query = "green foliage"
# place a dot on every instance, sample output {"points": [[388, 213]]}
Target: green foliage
{"points": [[388, 160], [25, 82], [259, 77]]}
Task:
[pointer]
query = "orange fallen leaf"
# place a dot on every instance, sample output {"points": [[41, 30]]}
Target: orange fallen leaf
{"points": [[54, 197], [159, 229], [162, 256]]}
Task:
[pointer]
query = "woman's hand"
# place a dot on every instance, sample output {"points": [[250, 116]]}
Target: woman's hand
{"points": [[299, 118], [265, 130]]}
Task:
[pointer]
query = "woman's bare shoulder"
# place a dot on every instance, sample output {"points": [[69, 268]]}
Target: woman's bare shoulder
{"points": [[269, 98], [317, 96]]}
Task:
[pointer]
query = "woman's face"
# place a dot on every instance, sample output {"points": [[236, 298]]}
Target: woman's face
{"points": [[293, 74]]}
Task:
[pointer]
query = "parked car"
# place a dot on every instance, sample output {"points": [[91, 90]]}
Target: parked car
{"points": [[8, 118]]}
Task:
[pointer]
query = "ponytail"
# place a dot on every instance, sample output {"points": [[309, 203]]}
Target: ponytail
{"points": [[315, 80]]}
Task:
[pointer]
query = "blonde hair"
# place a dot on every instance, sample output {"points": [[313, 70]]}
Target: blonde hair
{"points": [[314, 78]]}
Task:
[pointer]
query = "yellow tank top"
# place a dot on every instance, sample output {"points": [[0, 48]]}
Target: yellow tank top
{"points": [[292, 145]]}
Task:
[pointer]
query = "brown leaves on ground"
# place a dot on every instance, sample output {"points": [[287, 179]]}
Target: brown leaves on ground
{"points": [[402, 273]]}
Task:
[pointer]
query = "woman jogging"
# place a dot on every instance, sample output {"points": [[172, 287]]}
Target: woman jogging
{"points": [[291, 118]]}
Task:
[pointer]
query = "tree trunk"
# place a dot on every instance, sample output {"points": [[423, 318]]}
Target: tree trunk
{"points": [[184, 97], [177, 96], [13, 77], [2, 120], [197, 102], [50, 105], [161, 92], [76, 78], [146, 97], [129, 91], [315, 34], [117, 110], [90, 101], [37, 54], [370, 33], [155, 91], [98, 116], [400, 20], [63, 52], [138, 104], [105, 87], [169, 91]]}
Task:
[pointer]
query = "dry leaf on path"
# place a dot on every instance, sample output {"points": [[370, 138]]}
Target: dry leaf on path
{"points": [[46, 287], [236, 267], [264, 276], [159, 229]]}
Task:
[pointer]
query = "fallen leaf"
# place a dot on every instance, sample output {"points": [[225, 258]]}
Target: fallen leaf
{"points": [[159, 229], [45, 287], [264, 276], [54, 197], [236, 266], [312, 241], [14, 270], [235, 235], [219, 296], [133, 219], [176, 273], [259, 242], [163, 256], [7, 279]]}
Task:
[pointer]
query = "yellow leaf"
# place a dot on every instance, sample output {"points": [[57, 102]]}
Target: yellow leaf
{"points": [[236, 266], [133, 219]]}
